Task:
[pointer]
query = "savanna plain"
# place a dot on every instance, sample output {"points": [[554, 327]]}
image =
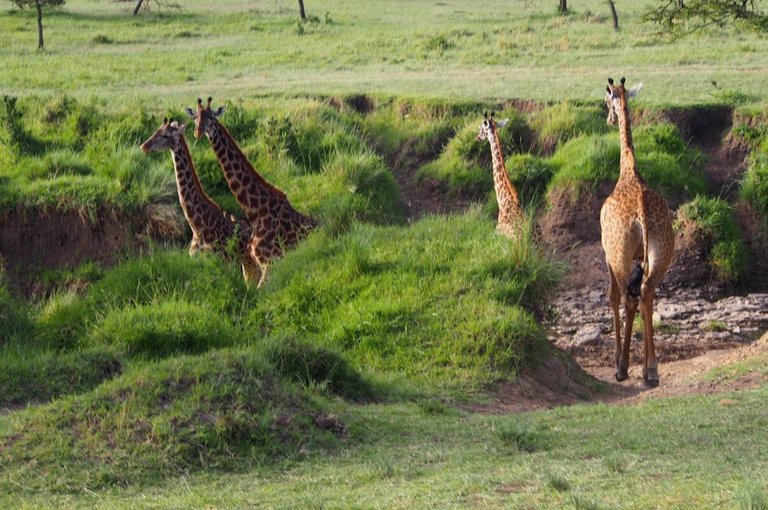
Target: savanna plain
{"points": [[398, 357]]}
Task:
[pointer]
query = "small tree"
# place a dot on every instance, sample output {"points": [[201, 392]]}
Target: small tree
{"points": [[615, 15], [38, 5], [301, 11], [680, 17]]}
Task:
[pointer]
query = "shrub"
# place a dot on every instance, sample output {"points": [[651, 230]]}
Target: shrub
{"points": [[14, 133]]}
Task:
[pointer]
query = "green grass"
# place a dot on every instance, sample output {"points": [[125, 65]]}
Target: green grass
{"points": [[396, 47], [397, 456], [345, 381]]}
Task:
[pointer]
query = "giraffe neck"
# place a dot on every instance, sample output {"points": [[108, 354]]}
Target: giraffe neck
{"points": [[251, 190], [194, 202], [506, 194], [627, 164]]}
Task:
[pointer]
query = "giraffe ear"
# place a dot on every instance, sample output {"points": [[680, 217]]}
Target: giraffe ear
{"points": [[634, 90], [219, 111], [182, 128], [190, 112], [501, 123]]}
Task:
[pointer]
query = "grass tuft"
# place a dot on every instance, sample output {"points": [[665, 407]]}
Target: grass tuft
{"points": [[714, 220], [524, 437]]}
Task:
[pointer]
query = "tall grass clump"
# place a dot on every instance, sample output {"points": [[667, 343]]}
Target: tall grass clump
{"points": [[447, 298], [713, 220], [315, 367], [162, 277], [223, 411], [161, 329], [310, 138], [355, 186], [14, 316], [464, 167]]}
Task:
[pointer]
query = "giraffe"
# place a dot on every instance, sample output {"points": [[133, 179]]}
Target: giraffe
{"points": [[510, 211], [276, 224], [212, 229], [637, 237]]}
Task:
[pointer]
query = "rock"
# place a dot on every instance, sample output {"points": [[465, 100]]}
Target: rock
{"points": [[588, 334]]}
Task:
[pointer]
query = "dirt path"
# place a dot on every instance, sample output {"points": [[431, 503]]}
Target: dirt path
{"points": [[687, 376]]}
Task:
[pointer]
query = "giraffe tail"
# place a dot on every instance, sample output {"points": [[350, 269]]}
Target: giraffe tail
{"points": [[634, 285]]}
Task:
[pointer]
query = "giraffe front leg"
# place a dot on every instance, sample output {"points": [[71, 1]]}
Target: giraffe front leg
{"points": [[259, 251], [263, 275], [251, 270], [194, 245], [650, 364], [614, 296]]}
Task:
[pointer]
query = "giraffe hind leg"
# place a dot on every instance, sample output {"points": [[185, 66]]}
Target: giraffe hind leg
{"points": [[650, 364], [614, 296]]}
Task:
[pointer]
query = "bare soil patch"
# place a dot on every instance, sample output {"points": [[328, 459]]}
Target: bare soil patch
{"points": [[34, 240]]}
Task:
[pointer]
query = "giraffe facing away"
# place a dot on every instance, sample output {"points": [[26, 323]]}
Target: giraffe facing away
{"points": [[511, 212], [276, 224], [212, 229], [639, 244]]}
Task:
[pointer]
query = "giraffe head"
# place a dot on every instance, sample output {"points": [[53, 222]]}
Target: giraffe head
{"points": [[205, 118], [613, 96], [489, 125], [167, 137]]}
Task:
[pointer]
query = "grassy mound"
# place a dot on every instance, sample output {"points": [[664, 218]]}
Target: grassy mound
{"points": [[666, 163], [714, 221], [162, 329], [446, 299], [227, 410]]}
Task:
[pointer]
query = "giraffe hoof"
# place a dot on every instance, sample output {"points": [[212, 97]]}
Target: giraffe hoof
{"points": [[622, 375], [651, 378]]}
